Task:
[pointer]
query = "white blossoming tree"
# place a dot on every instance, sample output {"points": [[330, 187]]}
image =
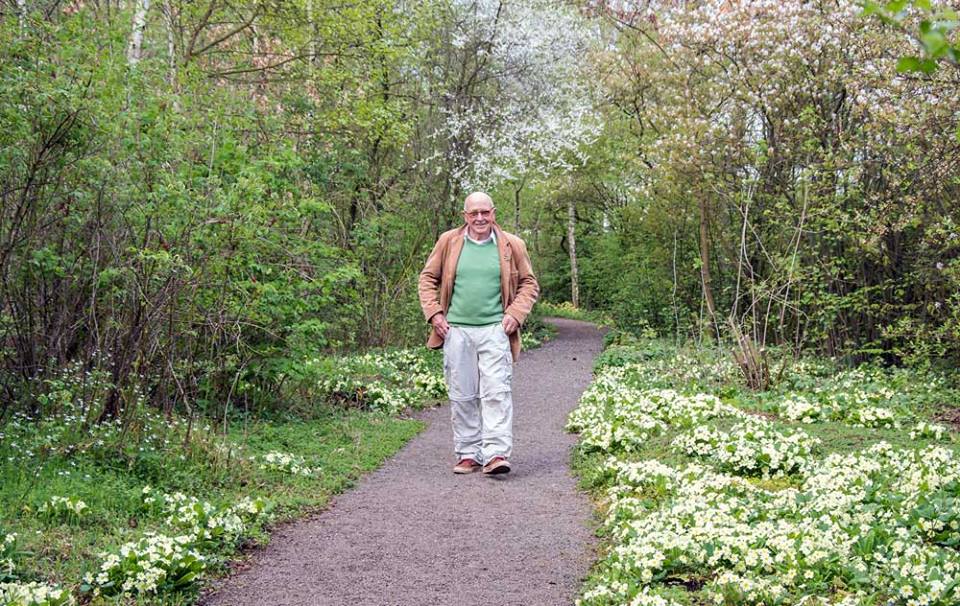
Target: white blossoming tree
{"points": [[808, 166], [525, 109]]}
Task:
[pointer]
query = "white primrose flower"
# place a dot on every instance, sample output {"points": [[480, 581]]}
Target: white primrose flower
{"points": [[873, 416], [886, 515], [34, 594], [63, 508], [281, 461], [933, 431], [799, 408]]}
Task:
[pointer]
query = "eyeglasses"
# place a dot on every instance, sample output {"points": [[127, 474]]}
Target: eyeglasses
{"points": [[473, 214]]}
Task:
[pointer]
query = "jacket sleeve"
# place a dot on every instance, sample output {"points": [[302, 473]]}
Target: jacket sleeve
{"points": [[528, 289], [428, 286]]}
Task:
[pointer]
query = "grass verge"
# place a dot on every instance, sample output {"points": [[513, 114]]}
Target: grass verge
{"points": [[339, 444], [142, 508]]}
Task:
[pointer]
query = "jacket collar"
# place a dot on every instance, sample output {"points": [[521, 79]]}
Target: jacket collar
{"points": [[503, 246]]}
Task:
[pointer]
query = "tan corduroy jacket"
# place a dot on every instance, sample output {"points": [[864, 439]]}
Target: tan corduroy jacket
{"points": [[518, 286]]}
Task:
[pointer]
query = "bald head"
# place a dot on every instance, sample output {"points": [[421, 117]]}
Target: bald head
{"points": [[479, 215], [477, 199]]}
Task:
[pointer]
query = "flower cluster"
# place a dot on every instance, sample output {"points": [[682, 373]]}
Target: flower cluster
{"points": [[8, 555], [207, 524], [616, 414], [34, 594], [873, 416], [866, 396], [542, 115], [799, 408], [63, 509], [154, 563], [934, 431], [877, 526], [388, 381], [854, 518], [160, 562], [62, 435], [529, 341], [680, 369], [753, 447], [287, 463]]}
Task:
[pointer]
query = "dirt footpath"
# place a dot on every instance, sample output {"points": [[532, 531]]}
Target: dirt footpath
{"points": [[414, 534]]}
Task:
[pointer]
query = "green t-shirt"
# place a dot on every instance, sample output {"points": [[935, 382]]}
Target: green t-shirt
{"points": [[476, 289]]}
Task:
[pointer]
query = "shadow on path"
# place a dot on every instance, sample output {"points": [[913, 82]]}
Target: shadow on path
{"points": [[414, 534]]}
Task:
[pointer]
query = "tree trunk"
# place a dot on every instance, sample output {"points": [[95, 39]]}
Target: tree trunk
{"points": [[673, 295], [516, 205], [134, 49], [748, 356], [169, 16], [705, 278], [22, 15], [572, 240]]}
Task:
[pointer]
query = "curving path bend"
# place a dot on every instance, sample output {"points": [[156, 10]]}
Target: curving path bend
{"points": [[414, 534]]}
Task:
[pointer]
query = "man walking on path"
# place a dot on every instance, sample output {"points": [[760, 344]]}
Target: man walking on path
{"points": [[476, 289]]}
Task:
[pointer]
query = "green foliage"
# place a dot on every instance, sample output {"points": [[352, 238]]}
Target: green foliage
{"points": [[567, 310], [822, 223], [195, 225], [703, 500], [137, 483], [388, 381], [934, 33], [535, 331]]}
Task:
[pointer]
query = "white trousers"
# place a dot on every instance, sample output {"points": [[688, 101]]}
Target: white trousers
{"points": [[478, 366]]}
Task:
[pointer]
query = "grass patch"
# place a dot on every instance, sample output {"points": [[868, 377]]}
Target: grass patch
{"points": [[567, 310], [342, 444], [174, 499]]}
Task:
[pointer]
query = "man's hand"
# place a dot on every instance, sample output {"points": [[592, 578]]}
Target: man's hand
{"points": [[510, 324], [440, 325]]}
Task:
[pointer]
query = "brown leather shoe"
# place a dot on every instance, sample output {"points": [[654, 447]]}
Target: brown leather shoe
{"points": [[466, 466], [497, 465]]}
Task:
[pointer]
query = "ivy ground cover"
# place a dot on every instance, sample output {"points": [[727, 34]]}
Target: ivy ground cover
{"points": [[838, 487]]}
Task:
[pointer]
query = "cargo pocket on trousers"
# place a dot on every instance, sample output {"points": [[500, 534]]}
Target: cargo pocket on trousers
{"points": [[448, 372], [507, 370], [507, 363]]}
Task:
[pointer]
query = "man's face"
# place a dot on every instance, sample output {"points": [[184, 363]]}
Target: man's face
{"points": [[480, 216]]}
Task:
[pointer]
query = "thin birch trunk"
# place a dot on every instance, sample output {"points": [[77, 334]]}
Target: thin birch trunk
{"points": [[516, 205], [676, 309], [22, 15], [173, 74], [705, 278], [313, 33], [572, 241], [134, 50], [748, 356]]}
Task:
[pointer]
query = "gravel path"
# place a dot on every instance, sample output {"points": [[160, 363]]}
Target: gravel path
{"points": [[414, 534]]}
